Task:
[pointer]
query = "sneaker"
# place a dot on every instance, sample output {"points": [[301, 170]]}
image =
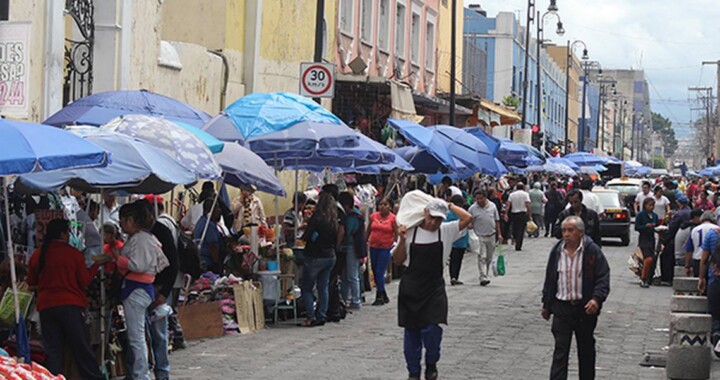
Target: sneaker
{"points": [[414, 376], [484, 282], [454, 282], [378, 302], [644, 285]]}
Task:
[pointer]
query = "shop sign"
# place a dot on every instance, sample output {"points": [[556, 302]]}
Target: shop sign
{"points": [[317, 80], [14, 68]]}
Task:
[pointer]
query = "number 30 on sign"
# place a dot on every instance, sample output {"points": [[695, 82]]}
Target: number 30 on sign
{"points": [[317, 80]]}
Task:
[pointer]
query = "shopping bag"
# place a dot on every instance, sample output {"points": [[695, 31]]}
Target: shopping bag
{"points": [[7, 306], [501, 264], [473, 242], [531, 227]]}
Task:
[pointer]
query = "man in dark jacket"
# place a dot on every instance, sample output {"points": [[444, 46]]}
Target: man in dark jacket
{"points": [[589, 217], [577, 282]]}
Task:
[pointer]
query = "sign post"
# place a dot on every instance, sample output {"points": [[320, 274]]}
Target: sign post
{"points": [[317, 80]]}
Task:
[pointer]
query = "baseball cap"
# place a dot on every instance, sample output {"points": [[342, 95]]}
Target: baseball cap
{"points": [[437, 208], [683, 200], [153, 198]]}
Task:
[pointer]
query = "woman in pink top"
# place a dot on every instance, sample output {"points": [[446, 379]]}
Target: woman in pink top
{"points": [[381, 235], [704, 203]]}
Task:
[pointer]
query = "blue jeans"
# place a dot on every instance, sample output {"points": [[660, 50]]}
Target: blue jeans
{"points": [[135, 306], [429, 336], [159, 344], [316, 271], [379, 260], [351, 278]]}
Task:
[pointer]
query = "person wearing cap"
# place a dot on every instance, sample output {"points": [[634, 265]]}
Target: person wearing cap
{"points": [[694, 244], [422, 300], [247, 209]]}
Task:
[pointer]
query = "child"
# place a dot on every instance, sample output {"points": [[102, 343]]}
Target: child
{"points": [[113, 245]]}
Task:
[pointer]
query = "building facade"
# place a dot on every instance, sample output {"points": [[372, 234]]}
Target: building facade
{"points": [[501, 40], [632, 87]]}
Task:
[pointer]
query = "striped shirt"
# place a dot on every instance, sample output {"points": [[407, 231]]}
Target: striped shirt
{"points": [[570, 275]]}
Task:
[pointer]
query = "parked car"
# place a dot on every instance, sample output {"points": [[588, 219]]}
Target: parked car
{"points": [[628, 189], [615, 221]]}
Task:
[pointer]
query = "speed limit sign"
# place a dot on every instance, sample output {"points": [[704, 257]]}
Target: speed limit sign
{"points": [[317, 80]]}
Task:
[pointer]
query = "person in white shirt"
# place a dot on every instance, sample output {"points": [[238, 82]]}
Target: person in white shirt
{"points": [[590, 200], [693, 246], [110, 210], [486, 224], [640, 197], [662, 203], [422, 300], [447, 190], [520, 213]]}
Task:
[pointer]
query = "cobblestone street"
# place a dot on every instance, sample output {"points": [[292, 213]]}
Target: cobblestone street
{"points": [[495, 332]]}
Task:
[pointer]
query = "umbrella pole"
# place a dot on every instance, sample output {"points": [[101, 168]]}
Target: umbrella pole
{"points": [[11, 256], [172, 201], [297, 220], [103, 299], [277, 212]]}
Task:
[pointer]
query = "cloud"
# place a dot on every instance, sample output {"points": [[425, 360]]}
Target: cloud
{"points": [[669, 39]]}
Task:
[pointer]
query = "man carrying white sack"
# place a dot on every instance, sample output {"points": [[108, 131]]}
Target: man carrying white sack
{"points": [[422, 301]]}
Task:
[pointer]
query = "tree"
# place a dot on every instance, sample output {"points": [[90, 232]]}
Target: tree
{"points": [[511, 102], [703, 135], [658, 162], [663, 126]]}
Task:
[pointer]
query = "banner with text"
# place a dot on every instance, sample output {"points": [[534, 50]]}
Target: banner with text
{"points": [[14, 68]]}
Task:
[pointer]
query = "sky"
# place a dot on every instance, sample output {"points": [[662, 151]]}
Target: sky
{"points": [[669, 39]]}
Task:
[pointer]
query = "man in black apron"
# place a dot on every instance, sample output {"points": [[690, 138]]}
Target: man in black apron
{"points": [[422, 301]]}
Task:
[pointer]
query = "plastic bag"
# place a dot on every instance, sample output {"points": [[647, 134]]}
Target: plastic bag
{"points": [[531, 227], [473, 242], [499, 263]]}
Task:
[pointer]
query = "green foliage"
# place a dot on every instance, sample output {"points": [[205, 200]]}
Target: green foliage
{"points": [[663, 126], [511, 101], [658, 162]]}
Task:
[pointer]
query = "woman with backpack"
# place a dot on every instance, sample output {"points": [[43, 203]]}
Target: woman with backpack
{"points": [[59, 273]]}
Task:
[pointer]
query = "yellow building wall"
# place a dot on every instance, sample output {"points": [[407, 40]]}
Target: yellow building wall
{"points": [[216, 24], [444, 34]]}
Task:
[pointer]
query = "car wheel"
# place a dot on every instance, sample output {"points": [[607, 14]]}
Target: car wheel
{"points": [[625, 239]]}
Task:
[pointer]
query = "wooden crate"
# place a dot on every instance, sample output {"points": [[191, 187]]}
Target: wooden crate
{"points": [[201, 320]]}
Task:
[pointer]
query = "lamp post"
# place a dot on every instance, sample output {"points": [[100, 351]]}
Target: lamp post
{"points": [[570, 47], [539, 40], [601, 106], [586, 67], [530, 18]]}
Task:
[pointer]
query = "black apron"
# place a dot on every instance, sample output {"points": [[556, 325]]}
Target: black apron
{"points": [[422, 300]]}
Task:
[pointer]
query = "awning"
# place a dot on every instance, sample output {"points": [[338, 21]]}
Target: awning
{"points": [[507, 116], [438, 104], [403, 104]]}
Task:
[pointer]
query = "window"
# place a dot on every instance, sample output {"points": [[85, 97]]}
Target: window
{"points": [[346, 16], [415, 38], [366, 13], [384, 25], [400, 31], [430, 46], [4, 9]]}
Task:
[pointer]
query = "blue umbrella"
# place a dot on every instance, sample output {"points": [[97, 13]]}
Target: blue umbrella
{"points": [[535, 156], [262, 113], [424, 162], [425, 139], [172, 139], [506, 150], [136, 167], [98, 109], [614, 160], [215, 145], [585, 159], [564, 161], [467, 148], [710, 171], [588, 170], [30, 147], [243, 167], [553, 167]]}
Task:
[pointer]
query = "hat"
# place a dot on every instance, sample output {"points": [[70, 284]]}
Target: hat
{"points": [[153, 198], [707, 216], [683, 200], [437, 208]]}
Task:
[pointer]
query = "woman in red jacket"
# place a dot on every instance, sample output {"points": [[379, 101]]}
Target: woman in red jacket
{"points": [[58, 272]]}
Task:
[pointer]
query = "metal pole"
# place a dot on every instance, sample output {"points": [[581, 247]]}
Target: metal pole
{"points": [[615, 130], [567, 99], [11, 252], [538, 101], [599, 135], [531, 10], [453, 42], [581, 133], [632, 136], [319, 23], [622, 129]]}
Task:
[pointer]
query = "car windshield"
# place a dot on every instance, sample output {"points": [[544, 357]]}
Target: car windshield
{"points": [[625, 188], [609, 199]]}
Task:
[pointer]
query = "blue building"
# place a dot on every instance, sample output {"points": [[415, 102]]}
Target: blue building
{"points": [[501, 39]]}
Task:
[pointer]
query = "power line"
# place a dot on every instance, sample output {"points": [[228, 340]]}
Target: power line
{"points": [[660, 97]]}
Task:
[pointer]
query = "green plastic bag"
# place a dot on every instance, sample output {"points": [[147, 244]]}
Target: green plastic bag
{"points": [[500, 261], [7, 306]]}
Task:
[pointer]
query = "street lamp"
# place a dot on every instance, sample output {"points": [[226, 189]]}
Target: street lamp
{"points": [[570, 49], [530, 18], [539, 40]]}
